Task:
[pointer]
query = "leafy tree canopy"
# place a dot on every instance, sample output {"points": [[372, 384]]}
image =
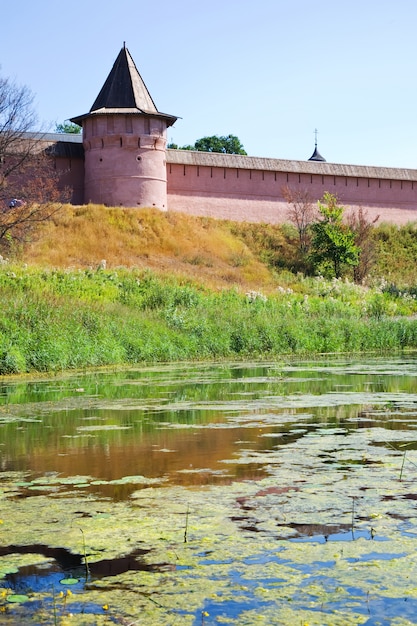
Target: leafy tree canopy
{"points": [[333, 244], [229, 144], [68, 127]]}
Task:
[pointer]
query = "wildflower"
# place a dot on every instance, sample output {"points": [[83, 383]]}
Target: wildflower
{"points": [[256, 295]]}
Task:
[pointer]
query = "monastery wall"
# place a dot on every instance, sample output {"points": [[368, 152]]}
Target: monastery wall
{"points": [[242, 188], [251, 189]]}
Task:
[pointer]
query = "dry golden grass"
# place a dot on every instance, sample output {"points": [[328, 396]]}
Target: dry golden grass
{"points": [[202, 249]]}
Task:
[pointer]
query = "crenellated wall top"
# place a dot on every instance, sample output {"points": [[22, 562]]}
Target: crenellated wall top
{"points": [[239, 161]]}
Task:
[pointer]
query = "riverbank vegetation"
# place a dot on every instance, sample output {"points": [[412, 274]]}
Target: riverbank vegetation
{"points": [[53, 320], [100, 286]]}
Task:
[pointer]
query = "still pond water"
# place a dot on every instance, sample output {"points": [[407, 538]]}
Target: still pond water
{"points": [[243, 493]]}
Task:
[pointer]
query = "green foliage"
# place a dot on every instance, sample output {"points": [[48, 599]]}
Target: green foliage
{"points": [[267, 241], [333, 244], [229, 144], [396, 253], [363, 229], [56, 320], [68, 127]]}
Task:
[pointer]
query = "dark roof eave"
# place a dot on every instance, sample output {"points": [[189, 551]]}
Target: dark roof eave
{"points": [[170, 119]]}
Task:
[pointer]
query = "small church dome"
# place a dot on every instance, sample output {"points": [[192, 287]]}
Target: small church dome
{"points": [[316, 156]]}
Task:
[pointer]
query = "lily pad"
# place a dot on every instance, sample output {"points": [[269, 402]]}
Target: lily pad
{"points": [[69, 581], [17, 598]]}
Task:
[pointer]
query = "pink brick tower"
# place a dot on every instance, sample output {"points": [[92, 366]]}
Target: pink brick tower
{"points": [[124, 138]]}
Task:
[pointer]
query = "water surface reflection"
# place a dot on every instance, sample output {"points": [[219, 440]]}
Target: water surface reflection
{"points": [[193, 424]]}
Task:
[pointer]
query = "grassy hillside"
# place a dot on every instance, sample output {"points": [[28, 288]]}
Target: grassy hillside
{"points": [[202, 249], [184, 288], [217, 253]]}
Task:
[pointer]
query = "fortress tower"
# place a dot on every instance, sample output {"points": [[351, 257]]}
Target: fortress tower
{"points": [[124, 139]]}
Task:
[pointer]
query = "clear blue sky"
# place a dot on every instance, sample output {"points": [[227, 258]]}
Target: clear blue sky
{"points": [[268, 71]]}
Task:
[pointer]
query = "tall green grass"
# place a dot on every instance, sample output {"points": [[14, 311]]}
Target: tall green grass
{"points": [[61, 319]]}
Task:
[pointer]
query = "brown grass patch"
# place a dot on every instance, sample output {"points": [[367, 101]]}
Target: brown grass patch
{"points": [[203, 249]]}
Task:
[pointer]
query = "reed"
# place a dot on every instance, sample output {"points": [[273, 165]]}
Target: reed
{"points": [[54, 320]]}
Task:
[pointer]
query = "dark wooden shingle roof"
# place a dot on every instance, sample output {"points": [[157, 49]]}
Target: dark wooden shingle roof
{"points": [[124, 91], [124, 88]]}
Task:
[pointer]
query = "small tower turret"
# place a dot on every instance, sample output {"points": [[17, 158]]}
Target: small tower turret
{"points": [[316, 156], [124, 138]]}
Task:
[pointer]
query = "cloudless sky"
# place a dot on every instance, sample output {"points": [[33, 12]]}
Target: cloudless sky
{"points": [[268, 71]]}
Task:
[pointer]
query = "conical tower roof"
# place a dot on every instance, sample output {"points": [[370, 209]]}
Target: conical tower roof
{"points": [[124, 88], [124, 91]]}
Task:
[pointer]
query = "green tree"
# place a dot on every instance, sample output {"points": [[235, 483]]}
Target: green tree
{"points": [[229, 144], [68, 127], [333, 245]]}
